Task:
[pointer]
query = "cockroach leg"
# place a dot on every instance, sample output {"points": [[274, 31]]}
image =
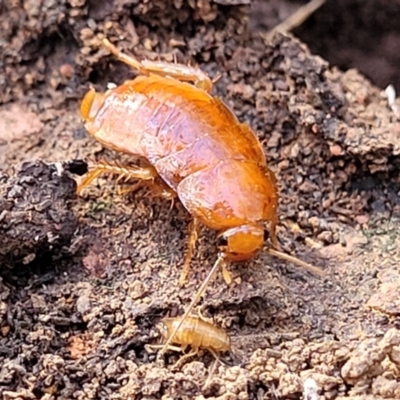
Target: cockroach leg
{"points": [[160, 346], [203, 287], [88, 178], [202, 317], [177, 349], [183, 358], [129, 60], [211, 374], [160, 189], [129, 172], [178, 71], [216, 78], [272, 234], [157, 188], [226, 274], [192, 243], [217, 357], [131, 188]]}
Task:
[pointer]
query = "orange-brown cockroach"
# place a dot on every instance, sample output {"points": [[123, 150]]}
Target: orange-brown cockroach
{"points": [[196, 149]]}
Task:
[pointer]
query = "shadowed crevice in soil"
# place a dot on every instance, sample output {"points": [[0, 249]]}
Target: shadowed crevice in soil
{"points": [[355, 34], [347, 33]]}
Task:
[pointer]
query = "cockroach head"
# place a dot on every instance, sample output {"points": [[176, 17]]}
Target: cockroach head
{"points": [[164, 327], [240, 243]]}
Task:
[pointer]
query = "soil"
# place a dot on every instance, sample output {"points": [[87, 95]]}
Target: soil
{"points": [[85, 280]]}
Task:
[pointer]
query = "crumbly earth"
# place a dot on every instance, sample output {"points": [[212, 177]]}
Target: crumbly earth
{"points": [[86, 279]]}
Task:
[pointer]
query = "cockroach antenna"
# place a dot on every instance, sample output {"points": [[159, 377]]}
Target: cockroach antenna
{"points": [[296, 261]]}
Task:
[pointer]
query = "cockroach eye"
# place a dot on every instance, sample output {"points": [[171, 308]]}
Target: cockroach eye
{"points": [[163, 329], [222, 241]]}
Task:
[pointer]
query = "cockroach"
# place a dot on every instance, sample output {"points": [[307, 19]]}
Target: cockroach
{"points": [[197, 333], [195, 149]]}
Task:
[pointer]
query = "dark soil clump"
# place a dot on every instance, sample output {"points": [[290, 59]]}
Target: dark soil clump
{"points": [[35, 221]]}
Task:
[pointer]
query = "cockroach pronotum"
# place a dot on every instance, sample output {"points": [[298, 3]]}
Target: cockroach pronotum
{"points": [[195, 149]]}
